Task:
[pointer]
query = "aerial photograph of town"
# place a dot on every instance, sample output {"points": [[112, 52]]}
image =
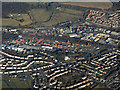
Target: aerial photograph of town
{"points": [[60, 45]]}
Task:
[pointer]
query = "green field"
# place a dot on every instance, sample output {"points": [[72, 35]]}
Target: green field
{"points": [[23, 19], [9, 22], [48, 14], [60, 17], [9, 82], [101, 5], [70, 78], [73, 12], [16, 20], [100, 86], [40, 15]]}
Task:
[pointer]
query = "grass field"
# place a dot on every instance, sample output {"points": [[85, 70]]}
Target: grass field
{"points": [[99, 87], [4, 85], [43, 17], [9, 22], [16, 20], [40, 15], [36, 17], [73, 12], [70, 78], [60, 17], [16, 83], [23, 19], [102, 5]]}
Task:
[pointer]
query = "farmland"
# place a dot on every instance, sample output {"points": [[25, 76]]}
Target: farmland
{"points": [[48, 14], [40, 15], [23, 19], [9, 22], [43, 17], [61, 17], [73, 12], [16, 20], [101, 5]]}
